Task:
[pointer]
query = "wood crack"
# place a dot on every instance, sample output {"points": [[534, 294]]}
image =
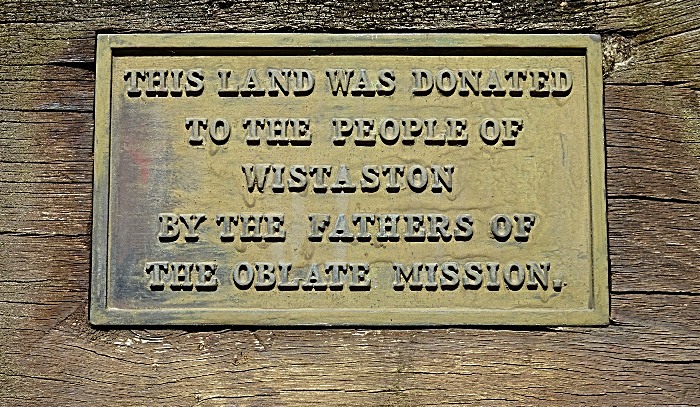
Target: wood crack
{"points": [[654, 199]]}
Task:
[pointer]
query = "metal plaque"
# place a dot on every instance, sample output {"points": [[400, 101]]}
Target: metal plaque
{"points": [[394, 179]]}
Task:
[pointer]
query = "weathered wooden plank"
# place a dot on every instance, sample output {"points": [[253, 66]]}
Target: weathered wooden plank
{"points": [[49, 137], [653, 142], [656, 363], [649, 19], [655, 42], [66, 71], [288, 15], [653, 179], [73, 96], [30, 44], [654, 246], [46, 211]]}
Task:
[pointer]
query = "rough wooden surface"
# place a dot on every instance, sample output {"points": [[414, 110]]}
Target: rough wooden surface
{"points": [[49, 354]]}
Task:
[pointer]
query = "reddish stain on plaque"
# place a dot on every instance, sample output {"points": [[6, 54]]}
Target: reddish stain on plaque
{"points": [[143, 162]]}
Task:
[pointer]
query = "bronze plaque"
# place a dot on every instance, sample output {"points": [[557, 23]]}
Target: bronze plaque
{"points": [[394, 179]]}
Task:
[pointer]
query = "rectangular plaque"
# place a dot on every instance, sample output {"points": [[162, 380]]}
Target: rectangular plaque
{"points": [[394, 179]]}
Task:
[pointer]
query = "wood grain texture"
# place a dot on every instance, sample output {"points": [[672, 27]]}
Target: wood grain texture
{"points": [[50, 355]]}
